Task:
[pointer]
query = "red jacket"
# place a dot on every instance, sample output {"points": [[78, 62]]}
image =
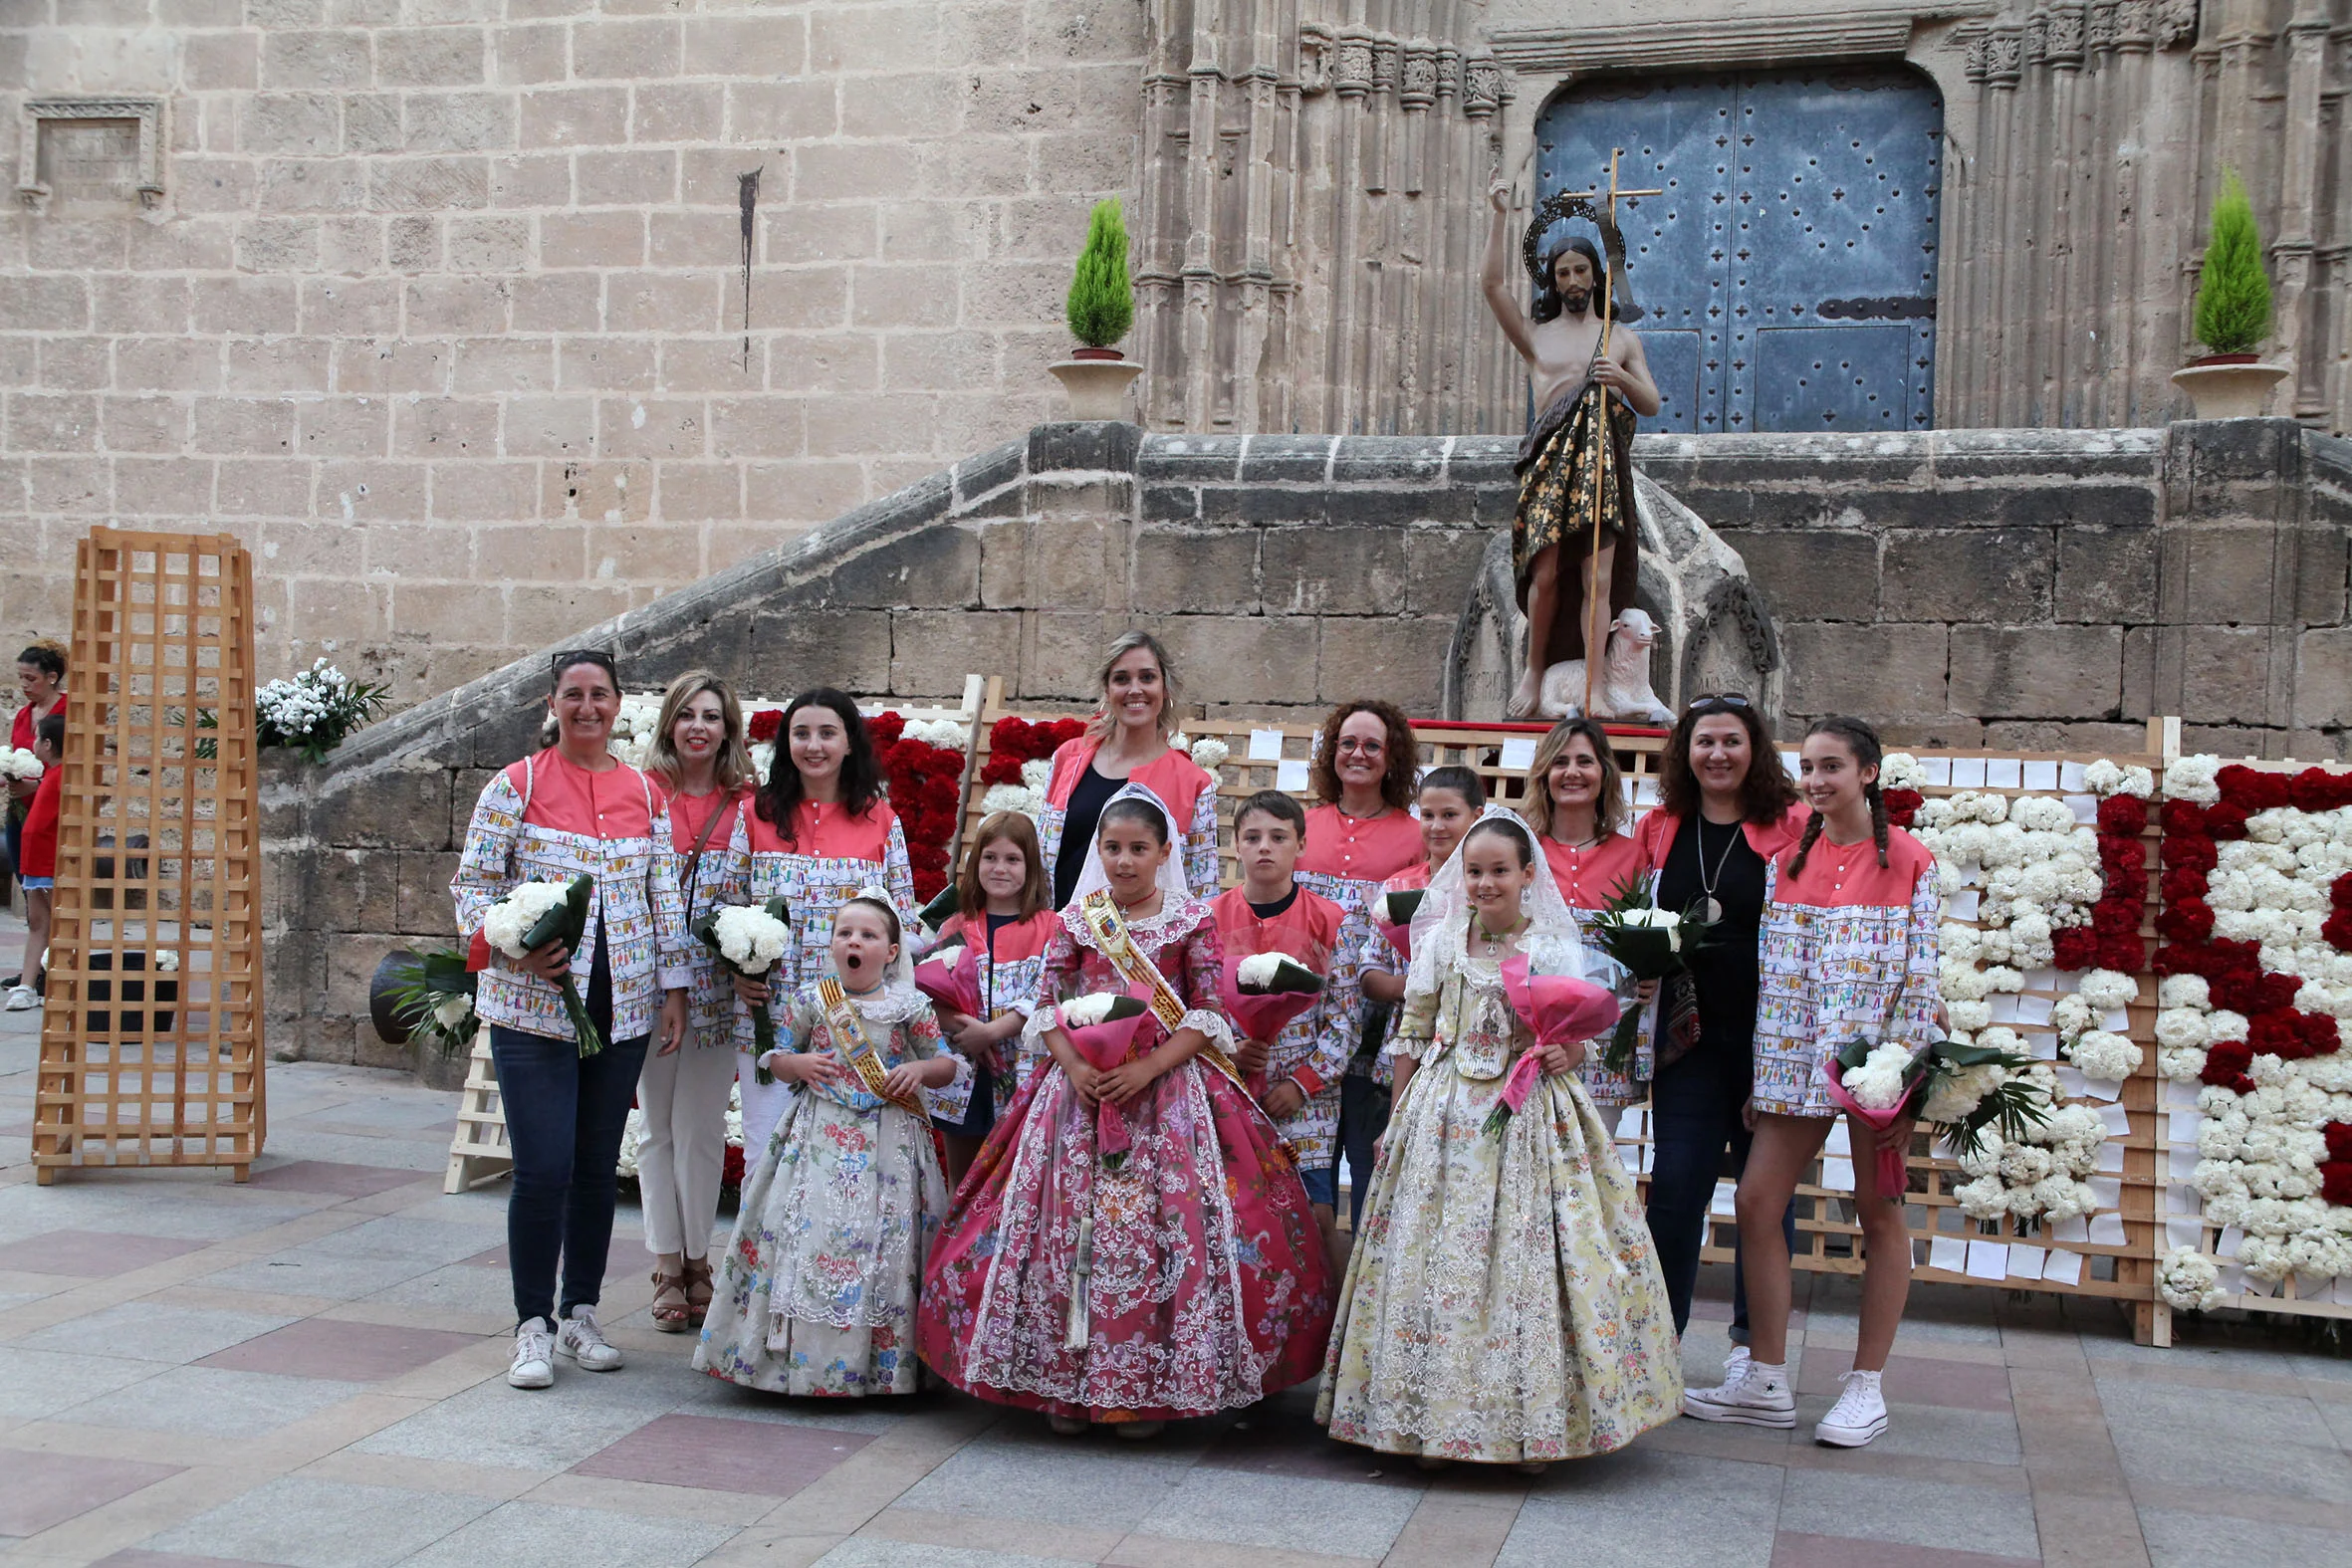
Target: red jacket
{"points": [[40, 841]]}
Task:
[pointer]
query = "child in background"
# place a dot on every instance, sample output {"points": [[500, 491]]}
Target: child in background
{"points": [[1300, 1067], [38, 872], [1003, 916], [816, 1293]]}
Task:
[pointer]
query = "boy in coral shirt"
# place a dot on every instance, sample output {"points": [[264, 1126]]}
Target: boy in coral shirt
{"points": [[38, 870]]}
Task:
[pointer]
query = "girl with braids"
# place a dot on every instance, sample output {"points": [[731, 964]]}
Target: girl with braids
{"points": [[1848, 950], [818, 833]]}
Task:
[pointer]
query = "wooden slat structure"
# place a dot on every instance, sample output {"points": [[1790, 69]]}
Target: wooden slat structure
{"points": [[151, 1040], [479, 1153]]}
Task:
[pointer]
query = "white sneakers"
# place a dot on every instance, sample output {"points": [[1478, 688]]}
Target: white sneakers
{"points": [[537, 1345], [22, 999], [1859, 1414], [585, 1343], [534, 1366], [1758, 1396]]}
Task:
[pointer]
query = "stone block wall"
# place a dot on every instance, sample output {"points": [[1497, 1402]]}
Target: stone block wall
{"points": [[2009, 589], [442, 307]]}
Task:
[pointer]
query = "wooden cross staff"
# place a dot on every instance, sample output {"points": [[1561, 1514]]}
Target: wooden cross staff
{"points": [[1596, 592]]}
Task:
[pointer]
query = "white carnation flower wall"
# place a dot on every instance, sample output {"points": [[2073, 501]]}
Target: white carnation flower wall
{"points": [[2247, 1225], [2017, 847]]}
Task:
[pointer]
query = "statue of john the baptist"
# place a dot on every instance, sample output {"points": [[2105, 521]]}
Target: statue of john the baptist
{"points": [[1565, 452]]}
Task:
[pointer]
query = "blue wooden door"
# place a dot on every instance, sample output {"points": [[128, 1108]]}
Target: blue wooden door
{"points": [[1787, 277]]}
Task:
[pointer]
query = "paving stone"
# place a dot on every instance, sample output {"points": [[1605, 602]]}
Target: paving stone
{"points": [[46, 1490], [355, 1351], [140, 1557], [2174, 1435], [872, 1552], [91, 1255], [38, 1383], [309, 1523], [1647, 1505], [327, 1176], [1916, 1380], [1909, 1511], [1085, 1481], [1791, 1550], [304, 1271], [403, 1235], [723, 1454], [148, 1331], [527, 1534], [552, 1430], [2180, 1539], [1282, 1513], [212, 1402]]}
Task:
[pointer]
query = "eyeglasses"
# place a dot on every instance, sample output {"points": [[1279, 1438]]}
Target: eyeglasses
{"points": [[571, 656], [1726, 699], [1371, 748]]}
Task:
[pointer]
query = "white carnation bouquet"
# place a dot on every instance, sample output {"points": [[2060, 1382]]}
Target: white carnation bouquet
{"points": [[432, 990], [20, 764], [313, 710], [536, 914], [749, 940]]}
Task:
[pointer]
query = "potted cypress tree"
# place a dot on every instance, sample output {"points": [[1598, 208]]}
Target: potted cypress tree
{"points": [[1100, 309], [2233, 315]]}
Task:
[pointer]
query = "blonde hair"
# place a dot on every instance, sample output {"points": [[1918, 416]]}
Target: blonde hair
{"points": [[731, 768], [1609, 803], [1104, 720]]}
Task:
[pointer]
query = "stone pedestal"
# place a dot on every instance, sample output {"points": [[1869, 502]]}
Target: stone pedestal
{"points": [[2230, 391], [1097, 387]]}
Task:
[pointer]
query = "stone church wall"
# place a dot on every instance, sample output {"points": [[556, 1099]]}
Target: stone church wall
{"points": [[2061, 585]]}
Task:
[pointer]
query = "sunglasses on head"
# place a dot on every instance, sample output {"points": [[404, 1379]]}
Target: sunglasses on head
{"points": [[1722, 698]]}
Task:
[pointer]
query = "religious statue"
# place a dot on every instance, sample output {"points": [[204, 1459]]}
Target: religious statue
{"points": [[1625, 690], [1575, 465]]}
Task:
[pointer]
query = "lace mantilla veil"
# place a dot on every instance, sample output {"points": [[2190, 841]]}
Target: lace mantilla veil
{"points": [[1440, 926], [1092, 878]]}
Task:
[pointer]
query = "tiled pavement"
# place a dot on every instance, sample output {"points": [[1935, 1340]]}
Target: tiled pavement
{"points": [[307, 1370]]}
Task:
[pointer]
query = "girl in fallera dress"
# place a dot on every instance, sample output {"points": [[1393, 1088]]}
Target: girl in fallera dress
{"points": [[1576, 806], [819, 831], [1129, 742], [816, 1293], [1850, 925], [1205, 1286], [1003, 920], [1504, 1305], [703, 772]]}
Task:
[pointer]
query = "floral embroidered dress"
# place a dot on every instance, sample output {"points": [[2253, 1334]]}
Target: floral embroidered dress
{"points": [[704, 884], [817, 1291], [1209, 1288], [1181, 784], [1588, 879], [831, 857], [1847, 950], [1313, 1048], [1504, 1302], [548, 819]]}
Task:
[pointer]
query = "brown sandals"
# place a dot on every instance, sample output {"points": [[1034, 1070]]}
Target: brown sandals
{"points": [[698, 1290], [671, 1312]]}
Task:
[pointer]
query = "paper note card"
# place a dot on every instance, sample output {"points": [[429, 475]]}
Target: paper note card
{"points": [[1645, 790], [2116, 1120], [1266, 746], [2107, 1229], [2072, 775], [2041, 776], [1988, 1260], [2085, 808], [1963, 905], [2070, 1082], [1837, 1176], [2183, 1232], [2044, 1047], [2004, 1007], [2064, 1267], [1841, 1140], [2074, 1230], [2033, 1009], [2110, 1157], [1967, 773], [2180, 1159], [1937, 769], [2181, 1127], [1518, 754], [2003, 773], [1948, 1252], [2027, 1263], [1726, 1200], [1632, 1121], [1629, 1156], [2050, 982], [1289, 775]]}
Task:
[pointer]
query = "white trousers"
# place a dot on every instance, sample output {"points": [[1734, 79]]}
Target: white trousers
{"points": [[684, 1099], [763, 1108]]}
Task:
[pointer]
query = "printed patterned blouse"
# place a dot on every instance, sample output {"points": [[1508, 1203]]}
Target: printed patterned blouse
{"points": [[548, 819], [1381, 957], [1183, 786], [1313, 1048], [830, 858], [1847, 950], [703, 883]]}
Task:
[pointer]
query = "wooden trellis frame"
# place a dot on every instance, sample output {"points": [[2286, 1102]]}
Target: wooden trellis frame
{"points": [[158, 867]]}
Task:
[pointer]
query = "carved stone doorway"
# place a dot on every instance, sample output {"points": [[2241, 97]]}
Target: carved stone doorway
{"points": [[1787, 277]]}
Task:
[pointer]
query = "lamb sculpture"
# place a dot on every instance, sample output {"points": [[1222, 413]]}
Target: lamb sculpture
{"points": [[1625, 676]]}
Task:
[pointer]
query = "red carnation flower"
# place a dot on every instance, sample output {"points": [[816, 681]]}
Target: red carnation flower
{"points": [[2122, 854], [2191, 853], [2226, 1062], [2226, 820], [765, 724], [2320, 1033], [886, 727], [2317, 790], [2335, 1183], [2129, 886], [2077, 947], [2339, 892], [2182, 817], [2123, 815], [2190, 920], [2250, 788], [2125, 952], [2339, 1140], [2111, 918], [2337, 928], [2277, 1034], [1902, 805]]}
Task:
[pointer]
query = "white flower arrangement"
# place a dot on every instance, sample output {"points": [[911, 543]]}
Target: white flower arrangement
{"points": [[634, 1134], [2104, 778], [1877, 1084], [2189, 1281], [2108, 990], [507, 920], [749, 938], [1084, 1012], [167, 961], [1209, 754], [2042, 1179], [2194, 778], [946, 734], [1901, 771], [633, 730], [314, 709], [2098, 1053], [20, 764]]}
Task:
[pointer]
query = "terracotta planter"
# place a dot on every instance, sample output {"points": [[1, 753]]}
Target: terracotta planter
{"points": [[1097, 386], [2228, 386]]}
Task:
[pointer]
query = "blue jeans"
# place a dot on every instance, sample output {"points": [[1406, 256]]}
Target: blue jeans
{"points": [[1694, 1115], [565, 1113], [1364, 1117]]}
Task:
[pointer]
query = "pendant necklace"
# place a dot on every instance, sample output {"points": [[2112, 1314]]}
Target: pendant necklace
{"points": [[1706, 884]]}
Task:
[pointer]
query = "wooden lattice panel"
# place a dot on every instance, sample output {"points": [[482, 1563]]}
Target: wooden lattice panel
{"points": [[479, 1152], [151, 1031]]}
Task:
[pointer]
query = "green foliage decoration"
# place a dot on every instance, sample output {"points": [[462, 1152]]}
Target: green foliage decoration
{"points": [[2233, 292], [1101, 295]]}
